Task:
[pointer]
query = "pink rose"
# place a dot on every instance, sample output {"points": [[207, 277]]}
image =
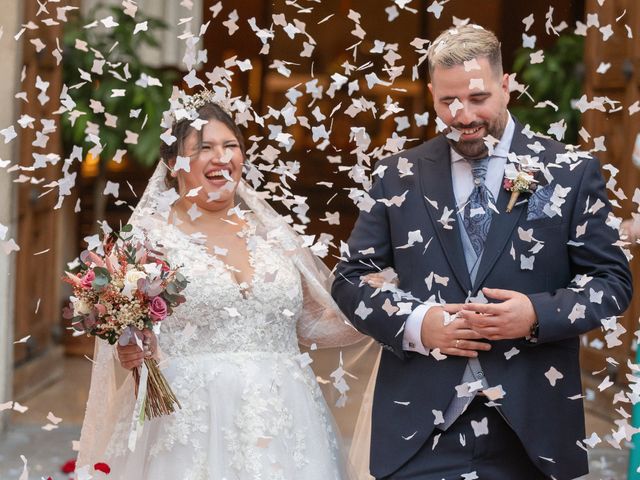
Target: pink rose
{"points": [[88, 278], [158, 309]]}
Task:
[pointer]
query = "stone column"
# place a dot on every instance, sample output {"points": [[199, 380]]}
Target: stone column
{"points": [[10, 53]]}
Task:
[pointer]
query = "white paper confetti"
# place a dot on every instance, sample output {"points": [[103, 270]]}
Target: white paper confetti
{"points": [[438, 417], [536, 57], [363, 311], [553, 376], [480, 428], [511, 353], [112, 188]]}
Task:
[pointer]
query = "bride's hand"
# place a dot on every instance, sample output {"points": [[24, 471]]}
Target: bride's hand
{"points": [[131, 355], [378, 279], [630, 229]]}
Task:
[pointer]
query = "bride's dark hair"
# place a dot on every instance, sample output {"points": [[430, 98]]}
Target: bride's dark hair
{"points": [[182, 129]]}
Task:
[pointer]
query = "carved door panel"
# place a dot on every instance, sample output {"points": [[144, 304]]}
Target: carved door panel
{"points": [[37, 306], [619, 129]]}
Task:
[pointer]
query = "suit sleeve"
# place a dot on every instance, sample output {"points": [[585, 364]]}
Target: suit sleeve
{"points": [[601, 287], [379, 314]]}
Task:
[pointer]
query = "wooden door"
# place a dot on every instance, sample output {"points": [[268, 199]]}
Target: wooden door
{"points": [[619, 129], [38, 264]]}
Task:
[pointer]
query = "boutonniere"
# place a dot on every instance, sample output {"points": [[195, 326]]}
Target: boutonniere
{"points": [[518, 179]]}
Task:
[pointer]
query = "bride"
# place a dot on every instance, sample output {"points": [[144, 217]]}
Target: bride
{"points": [[250, 404]]}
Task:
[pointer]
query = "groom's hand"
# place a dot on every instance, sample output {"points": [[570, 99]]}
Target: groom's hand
{"points": [[442, 329], [513, 317]]}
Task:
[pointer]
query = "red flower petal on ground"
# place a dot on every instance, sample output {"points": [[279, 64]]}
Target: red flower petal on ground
{"points": [[69, 467], [103, 467]]}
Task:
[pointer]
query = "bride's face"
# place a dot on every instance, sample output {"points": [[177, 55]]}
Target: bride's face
{"points": [[215, 166]]}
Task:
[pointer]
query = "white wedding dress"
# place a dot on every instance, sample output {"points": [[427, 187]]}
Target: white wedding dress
{"points": [[251, 406]]}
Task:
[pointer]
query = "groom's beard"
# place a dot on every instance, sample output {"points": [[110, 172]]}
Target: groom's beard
{"points": [[477, 148]]}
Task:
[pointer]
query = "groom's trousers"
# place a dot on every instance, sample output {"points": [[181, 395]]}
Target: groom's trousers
{"points": [[495, 454]]}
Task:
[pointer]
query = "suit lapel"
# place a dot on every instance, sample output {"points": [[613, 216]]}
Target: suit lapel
{"points": [[502, 223], [437, 185]]}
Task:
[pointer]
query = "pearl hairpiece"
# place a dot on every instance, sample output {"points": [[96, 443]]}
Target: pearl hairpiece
{"points": [[187, 106], [200, 99]]}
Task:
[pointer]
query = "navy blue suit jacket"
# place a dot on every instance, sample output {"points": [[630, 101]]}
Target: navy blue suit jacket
{"points": [[548, 419]]}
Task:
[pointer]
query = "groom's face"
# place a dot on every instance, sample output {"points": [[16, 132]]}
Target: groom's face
{"points": [[472, 101]]}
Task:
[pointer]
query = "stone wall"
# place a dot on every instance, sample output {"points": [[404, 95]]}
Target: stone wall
{"points": [[10, 54]]}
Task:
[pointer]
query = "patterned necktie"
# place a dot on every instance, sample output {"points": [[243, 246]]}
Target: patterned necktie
{"points": [[477, 214]]}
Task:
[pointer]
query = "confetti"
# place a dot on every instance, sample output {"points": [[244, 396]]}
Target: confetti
{"points": [[25, 471], [480, 428], [363, 311], [112, 188], [9, 134], [511, 353], [436, 8], [455, 106], [19, 408], [553, 376], [537, 57], [359, 91], [476, 84]]}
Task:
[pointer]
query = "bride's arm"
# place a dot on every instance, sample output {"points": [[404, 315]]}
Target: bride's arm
{"points": [[321, 322]]}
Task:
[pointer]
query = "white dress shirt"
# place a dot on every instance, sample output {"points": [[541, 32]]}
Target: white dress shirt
{"points": [[462, 187]]}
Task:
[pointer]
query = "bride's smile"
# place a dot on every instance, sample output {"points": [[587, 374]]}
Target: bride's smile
{"points": [[215, 166]]}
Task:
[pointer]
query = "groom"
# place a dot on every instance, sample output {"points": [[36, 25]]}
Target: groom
{"points": [[479, 369]]}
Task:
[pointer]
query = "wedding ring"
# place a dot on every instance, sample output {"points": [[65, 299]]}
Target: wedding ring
{"points": [[457, 342]]}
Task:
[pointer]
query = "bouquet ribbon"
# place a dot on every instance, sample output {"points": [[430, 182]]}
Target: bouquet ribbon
{"points": [[137, 419]]}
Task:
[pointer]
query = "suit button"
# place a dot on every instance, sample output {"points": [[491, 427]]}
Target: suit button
{"points": [[480, 374]]}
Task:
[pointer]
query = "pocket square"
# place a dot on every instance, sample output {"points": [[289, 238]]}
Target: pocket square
{"points": [[537, 202]]}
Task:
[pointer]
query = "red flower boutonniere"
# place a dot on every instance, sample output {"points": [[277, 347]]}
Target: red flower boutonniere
{"points": [[517, 180]]}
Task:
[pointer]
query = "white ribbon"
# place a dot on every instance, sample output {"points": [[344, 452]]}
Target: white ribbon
{"points": [[137, 420]]}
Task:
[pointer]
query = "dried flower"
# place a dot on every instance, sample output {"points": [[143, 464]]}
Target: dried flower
{"points": [[518, 179], [119, 293]]}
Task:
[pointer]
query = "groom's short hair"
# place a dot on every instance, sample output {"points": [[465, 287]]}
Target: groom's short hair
{"points": [[461, 44]]}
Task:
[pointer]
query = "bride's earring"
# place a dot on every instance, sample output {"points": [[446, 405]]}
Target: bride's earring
{"points": [[246, 166]]}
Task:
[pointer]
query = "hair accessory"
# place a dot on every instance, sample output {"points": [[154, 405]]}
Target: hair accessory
{"points": [[200, 99], [185, 107]]}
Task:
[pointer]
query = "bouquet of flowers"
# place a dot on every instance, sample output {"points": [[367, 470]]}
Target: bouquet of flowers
{"points": [[121, 288]]}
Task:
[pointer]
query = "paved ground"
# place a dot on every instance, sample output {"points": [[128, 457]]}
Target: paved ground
{"points": [[47, 451]]}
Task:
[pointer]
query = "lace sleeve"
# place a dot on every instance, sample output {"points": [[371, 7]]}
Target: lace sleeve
{"points": [[321, 322], [109, 381]]}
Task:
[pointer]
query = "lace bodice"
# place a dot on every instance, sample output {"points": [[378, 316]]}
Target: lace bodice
{"points": [[221, 315]]}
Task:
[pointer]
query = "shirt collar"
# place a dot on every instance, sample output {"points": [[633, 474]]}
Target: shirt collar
{"points": [[501, 149]]}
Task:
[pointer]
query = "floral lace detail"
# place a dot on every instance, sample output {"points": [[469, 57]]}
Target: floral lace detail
{"points": [[218, 316], [261, 417], [249, 407]]}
